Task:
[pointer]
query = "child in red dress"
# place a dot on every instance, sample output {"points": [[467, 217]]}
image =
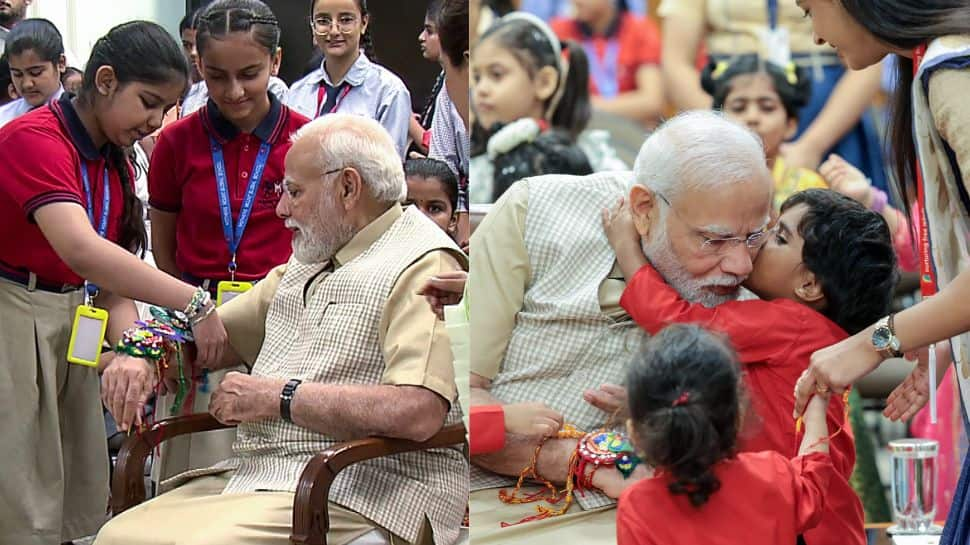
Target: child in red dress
{"points": [[827, 268], [686, 407]]}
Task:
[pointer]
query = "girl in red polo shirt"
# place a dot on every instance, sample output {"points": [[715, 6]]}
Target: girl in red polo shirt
{"points": [[216, 176], [70, 216], [686, 407], [215, 179]]}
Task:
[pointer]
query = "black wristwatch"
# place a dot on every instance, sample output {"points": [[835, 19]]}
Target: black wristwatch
{"points": [[286, 396]]}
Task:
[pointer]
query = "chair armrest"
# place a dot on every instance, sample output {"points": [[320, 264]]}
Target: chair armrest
{"points": [[128, 482], [311, 521]]}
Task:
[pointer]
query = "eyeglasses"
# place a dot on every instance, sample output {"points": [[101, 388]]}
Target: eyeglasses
{"points": [[720, 246], [323, 24]]}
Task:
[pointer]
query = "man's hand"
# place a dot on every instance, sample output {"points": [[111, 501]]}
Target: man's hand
{"points": [[532, 419], [245, 398], [444, 289], [609, 398], [125, 386]]}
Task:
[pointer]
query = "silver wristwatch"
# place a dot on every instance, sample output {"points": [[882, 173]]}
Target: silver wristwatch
{"points": [[884, 339]]}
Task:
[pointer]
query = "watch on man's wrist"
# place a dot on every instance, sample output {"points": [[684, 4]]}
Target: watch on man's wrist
{"points": [[286, 397], [884, 339]]}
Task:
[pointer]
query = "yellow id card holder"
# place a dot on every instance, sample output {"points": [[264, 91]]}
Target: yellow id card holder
{"points": [[87, 335], [227, 291]]}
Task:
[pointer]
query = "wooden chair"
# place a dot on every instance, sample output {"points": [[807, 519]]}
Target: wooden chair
{"points": [[311, 521]]}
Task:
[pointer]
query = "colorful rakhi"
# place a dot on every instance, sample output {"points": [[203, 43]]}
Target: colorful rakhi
{"points": [[605, 449]]}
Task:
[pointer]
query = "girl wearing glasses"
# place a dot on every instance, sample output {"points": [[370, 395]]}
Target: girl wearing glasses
{"points": [[348, 80], [826, 270]]}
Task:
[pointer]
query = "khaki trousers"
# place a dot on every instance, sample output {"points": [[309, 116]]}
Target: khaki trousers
{"points": [[197, 513]]}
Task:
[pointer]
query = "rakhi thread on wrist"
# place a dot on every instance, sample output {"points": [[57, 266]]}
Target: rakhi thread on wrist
{"points": [[597, 449], [156, 340], [799, 422]]}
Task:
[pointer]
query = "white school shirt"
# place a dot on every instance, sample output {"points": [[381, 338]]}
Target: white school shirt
{"points": [[198, 95], [375, 92], [17, 108]]}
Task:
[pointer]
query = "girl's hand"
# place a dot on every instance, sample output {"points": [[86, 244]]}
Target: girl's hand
{"points": [[620, 229], [210, 341], [125, 386], [846, 179], [532, 420], [444, 289]]}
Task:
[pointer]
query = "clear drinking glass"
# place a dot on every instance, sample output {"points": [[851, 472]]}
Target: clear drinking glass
{"points": [[914, 476]]}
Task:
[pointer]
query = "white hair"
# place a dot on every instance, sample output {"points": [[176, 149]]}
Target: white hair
{"points": [[697, 150], [361, 143]]}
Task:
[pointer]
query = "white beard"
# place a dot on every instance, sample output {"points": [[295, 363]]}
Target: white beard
{"points": [[319, 243], [661, 255]]}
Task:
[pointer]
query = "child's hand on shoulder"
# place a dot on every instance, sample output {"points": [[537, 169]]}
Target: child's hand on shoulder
{"points": [[619, 227], [532, 420]]}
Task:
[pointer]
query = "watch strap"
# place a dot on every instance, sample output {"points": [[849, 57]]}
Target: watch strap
{"points": [[286, 397]]}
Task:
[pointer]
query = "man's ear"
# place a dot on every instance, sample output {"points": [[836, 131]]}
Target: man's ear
{"points": [[643, 205], [808, 288], [351, 187]]}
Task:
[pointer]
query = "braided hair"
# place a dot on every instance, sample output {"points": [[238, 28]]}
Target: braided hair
{"points": [[224, 17]]}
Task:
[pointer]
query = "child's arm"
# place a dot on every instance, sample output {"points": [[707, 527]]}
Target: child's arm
{"points": [[816, 429], [624, 238], [812, 467], [490, 423]]}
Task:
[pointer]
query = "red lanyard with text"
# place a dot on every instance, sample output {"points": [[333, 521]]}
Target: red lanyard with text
{"points": [[927, 275]]}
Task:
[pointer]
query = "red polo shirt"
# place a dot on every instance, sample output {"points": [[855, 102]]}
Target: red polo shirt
{"points": [[41, 154], [632, 41], [182, 180]]}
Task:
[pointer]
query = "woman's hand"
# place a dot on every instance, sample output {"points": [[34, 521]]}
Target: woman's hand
{"points": [[125, 386], [912, 394], [210, 341], [834, 368]]}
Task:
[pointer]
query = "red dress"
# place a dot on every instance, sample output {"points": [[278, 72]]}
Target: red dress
{"points": [[774, 341], [764, 499]]}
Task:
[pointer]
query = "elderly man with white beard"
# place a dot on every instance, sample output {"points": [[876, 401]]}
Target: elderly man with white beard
{"points": [[342, 331], [544, 290]]}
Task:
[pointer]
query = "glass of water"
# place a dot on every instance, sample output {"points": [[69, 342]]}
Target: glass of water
{"points": [[914, 477]]}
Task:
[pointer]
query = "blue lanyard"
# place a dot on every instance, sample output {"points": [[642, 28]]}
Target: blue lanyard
{"points": [[105, 200], [604, 72], [90, 289], [772, 14], [234, 236]]}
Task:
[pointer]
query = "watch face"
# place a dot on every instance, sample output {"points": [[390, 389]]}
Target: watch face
{"points": [[881, 338]]}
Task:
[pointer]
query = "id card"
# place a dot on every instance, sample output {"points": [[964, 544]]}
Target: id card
{"points": [[87, 335], [227, 291]]}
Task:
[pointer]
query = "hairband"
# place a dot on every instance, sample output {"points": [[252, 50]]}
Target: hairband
{"points": [[682, 399], [790, 70], [562, 64]]}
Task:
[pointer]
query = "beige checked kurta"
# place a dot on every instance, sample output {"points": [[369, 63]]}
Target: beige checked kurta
{"points": [[360, 323]]}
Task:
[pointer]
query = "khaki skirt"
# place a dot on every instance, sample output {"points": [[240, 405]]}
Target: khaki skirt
{"points": [[53, 450]]}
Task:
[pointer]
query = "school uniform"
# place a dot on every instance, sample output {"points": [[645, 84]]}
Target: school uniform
{"points": [[17, 108], [54, 483], [368, 89], [182, 180]]}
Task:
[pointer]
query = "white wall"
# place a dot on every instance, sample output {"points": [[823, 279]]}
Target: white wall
{"points": [[82, 22]]}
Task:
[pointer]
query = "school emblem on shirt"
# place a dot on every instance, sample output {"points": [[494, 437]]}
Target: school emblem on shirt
{"points": [[271, 192]]}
